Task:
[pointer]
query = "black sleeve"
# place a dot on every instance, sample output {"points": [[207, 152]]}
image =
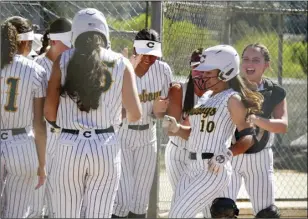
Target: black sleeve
{"points": [[279, 94]]}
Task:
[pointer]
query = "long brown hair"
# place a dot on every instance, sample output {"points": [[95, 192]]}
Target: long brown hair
{"points": [[9, 41], [251, 98], [83, 82]]}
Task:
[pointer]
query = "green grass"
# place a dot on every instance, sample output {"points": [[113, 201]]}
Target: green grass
{"points": [[180, 38]]}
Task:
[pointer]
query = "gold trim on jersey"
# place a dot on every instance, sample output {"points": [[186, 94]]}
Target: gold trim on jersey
{"points": [[206, 111], [107, 76], [12, 92], [145, 96]]}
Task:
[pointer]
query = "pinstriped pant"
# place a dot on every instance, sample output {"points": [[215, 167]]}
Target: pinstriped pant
{"points": [[42, 196], [92, 164], [21, 163], [137, 172], [258, 173], [176, 160], [197, 188]]}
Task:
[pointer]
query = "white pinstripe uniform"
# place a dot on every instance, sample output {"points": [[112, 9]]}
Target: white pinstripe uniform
{"points": [[89, 159], [257, 168], [21, 82], [44, 193], [176, 154], [212, 131], [139, 147]]}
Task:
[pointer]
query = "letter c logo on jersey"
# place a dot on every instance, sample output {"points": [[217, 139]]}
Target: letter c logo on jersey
{"points": [[150, 44], [4, 136], [220, 159], [87, 134]]}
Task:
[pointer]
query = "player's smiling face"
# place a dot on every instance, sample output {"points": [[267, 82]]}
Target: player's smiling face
{"points": [[253, 64]]}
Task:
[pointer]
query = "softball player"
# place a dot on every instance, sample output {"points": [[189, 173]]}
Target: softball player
{"points": [[212, 124], [58, 36], [182, 97], [256, 164], [23, 87], [138, 140], [89, 113]]}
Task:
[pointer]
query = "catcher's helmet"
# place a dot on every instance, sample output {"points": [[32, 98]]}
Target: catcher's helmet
{"points": [[224, 208]]}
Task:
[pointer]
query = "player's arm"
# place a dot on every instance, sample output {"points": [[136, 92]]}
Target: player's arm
{"points": [[130, 98], [177, 129], [39, 125], [238, 114], [53, 93], [279, 124], [39, 128], [162, 102], [175, 103]]}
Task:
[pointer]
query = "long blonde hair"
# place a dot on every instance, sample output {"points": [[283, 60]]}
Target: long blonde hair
{"points": [[251, 98]]}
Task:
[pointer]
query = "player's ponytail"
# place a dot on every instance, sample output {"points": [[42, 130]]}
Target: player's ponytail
{"points": [[45, 42], [86, 71], [189, 95], [8, 43], [251, 98]]}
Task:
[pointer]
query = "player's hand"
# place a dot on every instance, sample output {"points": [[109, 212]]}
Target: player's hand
{"points": [[160, 105], [170, 124], [41, 172], [218, 161], [251, 119], [125, 52], [135, 60]]}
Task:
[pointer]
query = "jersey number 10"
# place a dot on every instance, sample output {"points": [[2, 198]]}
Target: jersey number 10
{"points": [[12, 94], [208, 127]]}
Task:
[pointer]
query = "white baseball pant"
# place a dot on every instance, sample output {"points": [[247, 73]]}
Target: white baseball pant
{"points": [[137, 171], [92, 163], [176, 160], [197, 188], [258, 173], [20, 160]]}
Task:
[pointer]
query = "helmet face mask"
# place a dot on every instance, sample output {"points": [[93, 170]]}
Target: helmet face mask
{"points": [[200, 82]]}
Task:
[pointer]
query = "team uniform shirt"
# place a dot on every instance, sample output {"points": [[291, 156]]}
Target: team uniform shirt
{"points": [[153, 84], [21, 82], [180, 142], [46, 63], [211, 123], [110, 103]]}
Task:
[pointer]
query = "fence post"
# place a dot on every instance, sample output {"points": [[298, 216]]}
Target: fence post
{"points": [[278, 140], [156, 24], [280, 47], [228, 22]]}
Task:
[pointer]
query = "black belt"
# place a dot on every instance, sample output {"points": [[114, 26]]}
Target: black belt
{"points": [[138, 127], [16, 131], [97, 131], [193, 156]]}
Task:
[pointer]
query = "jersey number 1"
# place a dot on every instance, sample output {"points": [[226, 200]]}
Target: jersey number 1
{"points": [[12, 94]]}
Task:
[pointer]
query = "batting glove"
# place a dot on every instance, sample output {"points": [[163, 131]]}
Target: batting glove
{"points": [[170, 124], [219, 160]]}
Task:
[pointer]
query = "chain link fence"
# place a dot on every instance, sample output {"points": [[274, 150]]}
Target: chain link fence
{"points": [[281, 26], [125, 19]]}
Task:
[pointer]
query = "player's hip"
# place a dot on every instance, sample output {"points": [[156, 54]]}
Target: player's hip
{"points": [[176, 152], [16, 135]]}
